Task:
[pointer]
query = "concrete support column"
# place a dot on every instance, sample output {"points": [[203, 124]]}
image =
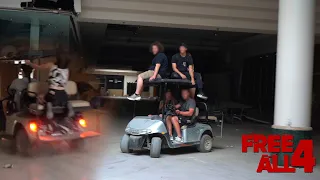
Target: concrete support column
{"points": [[295, 51], [34, 34]]}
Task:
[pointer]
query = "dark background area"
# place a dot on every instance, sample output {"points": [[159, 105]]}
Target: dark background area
{"points": [[251, 81], [123, 56]]}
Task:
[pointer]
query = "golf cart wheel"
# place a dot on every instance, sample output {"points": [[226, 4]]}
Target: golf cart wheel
{"points": [[23, 145], [206, 143], [155, 147], [124, 144]]}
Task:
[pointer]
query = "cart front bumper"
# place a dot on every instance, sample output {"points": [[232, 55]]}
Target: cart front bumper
{"points": [[64, 137], [137, 142]]}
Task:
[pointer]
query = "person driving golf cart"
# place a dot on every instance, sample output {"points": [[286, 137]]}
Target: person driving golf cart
{"points": [[184, 111], [58, 78], [19, 85], [170, 102]]}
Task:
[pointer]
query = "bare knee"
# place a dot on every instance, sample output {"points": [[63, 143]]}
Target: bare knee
{"points": [[174, 119]]}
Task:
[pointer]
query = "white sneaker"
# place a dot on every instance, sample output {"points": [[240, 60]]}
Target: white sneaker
{"points": [[202, 96], [134, 97], [178, 140], [171, 138]]}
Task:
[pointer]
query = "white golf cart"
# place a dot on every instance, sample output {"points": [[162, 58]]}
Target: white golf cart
{"points": [[28, 127], [144, 132]]}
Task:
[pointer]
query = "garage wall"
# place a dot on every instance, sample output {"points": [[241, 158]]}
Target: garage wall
{"points": [[257, 45], [228, 15], [10, 3]]}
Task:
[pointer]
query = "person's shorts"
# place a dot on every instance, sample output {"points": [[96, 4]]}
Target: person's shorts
{"points": [[148, 74], [57, 97]]}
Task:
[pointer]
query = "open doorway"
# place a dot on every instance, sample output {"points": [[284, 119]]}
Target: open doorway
{"points": [[126, 47]]}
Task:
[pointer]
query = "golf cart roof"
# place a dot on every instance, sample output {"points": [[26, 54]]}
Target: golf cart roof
{"points": [[183, 82]]}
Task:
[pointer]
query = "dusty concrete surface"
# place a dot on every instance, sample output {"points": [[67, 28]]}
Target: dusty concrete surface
{"points": [[104, 161]]}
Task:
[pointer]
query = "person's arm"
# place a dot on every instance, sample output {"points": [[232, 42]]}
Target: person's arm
{"points": [[159, 60], [177, 106], [13, 85], [187, 113], [47, 65], [160, 106], [156, 70], [174, 67], [191, 70]]}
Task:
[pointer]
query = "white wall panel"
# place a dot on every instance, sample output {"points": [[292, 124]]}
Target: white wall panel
{"points": [[230, 15]]}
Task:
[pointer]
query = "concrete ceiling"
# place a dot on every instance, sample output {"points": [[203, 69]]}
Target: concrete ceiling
{"points": [[125, 35]]}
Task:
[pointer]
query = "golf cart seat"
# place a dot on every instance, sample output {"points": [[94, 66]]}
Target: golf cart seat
{"points": [[72, 91], [37, 88], [192, 120]]}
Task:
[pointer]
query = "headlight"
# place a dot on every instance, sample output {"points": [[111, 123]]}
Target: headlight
{"points": [[138, 131]]}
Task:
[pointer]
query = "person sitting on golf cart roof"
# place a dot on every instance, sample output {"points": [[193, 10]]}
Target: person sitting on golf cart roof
{"points": [[183, 67], [58, 78], [184, 112], [157, 69]]}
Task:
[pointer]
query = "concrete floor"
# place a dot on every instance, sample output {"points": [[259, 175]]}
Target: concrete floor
{"points": [[104, 161]]}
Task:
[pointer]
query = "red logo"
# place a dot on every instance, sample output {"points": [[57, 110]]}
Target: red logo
{"points": [[302, 156]]}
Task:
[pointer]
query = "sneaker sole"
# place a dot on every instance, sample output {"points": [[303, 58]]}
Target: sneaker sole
{"points": [[202, 97], [134, 99]]}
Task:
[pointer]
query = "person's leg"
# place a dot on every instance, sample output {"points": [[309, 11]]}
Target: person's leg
{"points": [[198, 79], [199, 83], [139, 85], [169, 126], [176, 125], [63, 100], [193, 89], [3, 115], [50, 99], [145, 75], [175, 75]]}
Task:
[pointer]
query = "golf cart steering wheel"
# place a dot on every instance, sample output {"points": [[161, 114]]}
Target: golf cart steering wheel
{"points": [[171, 109]]}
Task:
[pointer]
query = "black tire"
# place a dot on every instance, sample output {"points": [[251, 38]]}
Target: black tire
{"points": [[155, 148], [22, 144], [206, 144], [124, 144]]}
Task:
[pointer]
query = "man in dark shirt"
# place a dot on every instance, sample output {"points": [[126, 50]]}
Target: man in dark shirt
{"points": [[184, 112], [183, 67], [157, 69]]}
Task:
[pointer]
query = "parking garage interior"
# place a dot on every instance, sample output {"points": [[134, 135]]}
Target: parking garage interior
{"points": [[236, 66], [214, 52]]}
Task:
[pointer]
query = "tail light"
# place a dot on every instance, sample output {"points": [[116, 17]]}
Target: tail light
{"points": [[83, 123], [33, 127]]}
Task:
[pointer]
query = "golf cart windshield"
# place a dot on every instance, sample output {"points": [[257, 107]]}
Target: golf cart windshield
{"points": [[30, 34], [32, 31]]}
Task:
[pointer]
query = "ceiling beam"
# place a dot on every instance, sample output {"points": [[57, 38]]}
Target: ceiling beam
{"points": [[167, 46]]}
